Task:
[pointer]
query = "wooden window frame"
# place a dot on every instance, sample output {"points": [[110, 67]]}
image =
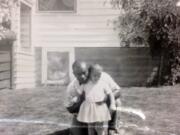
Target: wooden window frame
{"points": [[44, 68], [58, 11], [30, 26]]}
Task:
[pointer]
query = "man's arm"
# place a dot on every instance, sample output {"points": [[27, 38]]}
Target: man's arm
{"points": [[116, 90], [71, 94], [113, 85], [117, 93], [112, 101]]}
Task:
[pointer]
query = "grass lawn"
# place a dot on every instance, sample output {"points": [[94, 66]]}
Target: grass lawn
{"points": [[40, 111]]}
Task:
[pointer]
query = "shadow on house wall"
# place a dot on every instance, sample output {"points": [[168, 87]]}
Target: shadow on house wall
{"points": [[128, 66]]}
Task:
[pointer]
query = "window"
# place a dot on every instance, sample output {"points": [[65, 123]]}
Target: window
{"points": [[57, 67], [57, 5], [25, 26]]}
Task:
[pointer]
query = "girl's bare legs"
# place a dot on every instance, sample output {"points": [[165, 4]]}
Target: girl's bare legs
{"points": [[100, 129], [91, 129], [97, 129]]}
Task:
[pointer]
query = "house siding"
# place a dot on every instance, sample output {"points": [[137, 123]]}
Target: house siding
{"points": [[24, 70], [90, 25], [38, 65], [134, 69], [22, 61], [90, 31], [128, 66], [5, 65]]}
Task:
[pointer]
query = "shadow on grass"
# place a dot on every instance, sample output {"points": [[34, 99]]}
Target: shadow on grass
{"points": [[67, 132], [61, 132]]}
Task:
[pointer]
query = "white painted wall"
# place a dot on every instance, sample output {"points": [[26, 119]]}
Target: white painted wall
{"points": [[23, 69], [91, 25]]}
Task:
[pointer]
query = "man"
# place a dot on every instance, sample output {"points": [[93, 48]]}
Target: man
{"points": [[81, 72], [112, 127]]}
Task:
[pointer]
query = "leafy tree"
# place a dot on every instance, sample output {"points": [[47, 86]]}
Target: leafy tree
{"points": [[155, 23], [6, 18]]}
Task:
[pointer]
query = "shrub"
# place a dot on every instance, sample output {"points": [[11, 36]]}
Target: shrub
{"points": [[155, 23], [5, 20]]}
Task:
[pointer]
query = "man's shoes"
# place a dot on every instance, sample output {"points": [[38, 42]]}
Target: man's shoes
{"points": [[113, 132]]}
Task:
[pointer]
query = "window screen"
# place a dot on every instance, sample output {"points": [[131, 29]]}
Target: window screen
{"points": [[56, 5], [25, 26]]}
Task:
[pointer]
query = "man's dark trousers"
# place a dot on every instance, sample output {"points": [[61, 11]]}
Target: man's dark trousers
{"points": [[78, 128]]}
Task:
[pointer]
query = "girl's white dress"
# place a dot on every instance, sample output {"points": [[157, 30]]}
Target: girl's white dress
{"points": [[91, 112]]}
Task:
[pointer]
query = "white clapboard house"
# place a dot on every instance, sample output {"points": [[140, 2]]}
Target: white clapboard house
{"points": [[54, 33], [17, 68]]}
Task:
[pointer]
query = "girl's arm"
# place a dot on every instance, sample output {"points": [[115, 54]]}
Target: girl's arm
{"points": [[112, 101], [110, 95]]}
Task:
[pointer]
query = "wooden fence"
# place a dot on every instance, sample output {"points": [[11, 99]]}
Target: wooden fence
{"points": [[5, 69]]}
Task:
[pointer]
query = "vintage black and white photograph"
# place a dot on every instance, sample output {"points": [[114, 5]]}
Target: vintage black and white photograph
{"points": [[89, 67]]}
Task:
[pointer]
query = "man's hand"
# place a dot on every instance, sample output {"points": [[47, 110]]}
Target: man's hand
{"points": [[82, 96], [100, 103], [118, 102], [74, 100], [117, 93], [105, 99], [112, 107]]}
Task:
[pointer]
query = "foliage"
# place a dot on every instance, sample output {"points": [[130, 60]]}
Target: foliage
{"points": [[155, 23], [130, 25], [6, 7], [5, 12]]}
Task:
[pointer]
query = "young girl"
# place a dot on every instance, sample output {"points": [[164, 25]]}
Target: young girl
{"points": [[93, 110]]}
